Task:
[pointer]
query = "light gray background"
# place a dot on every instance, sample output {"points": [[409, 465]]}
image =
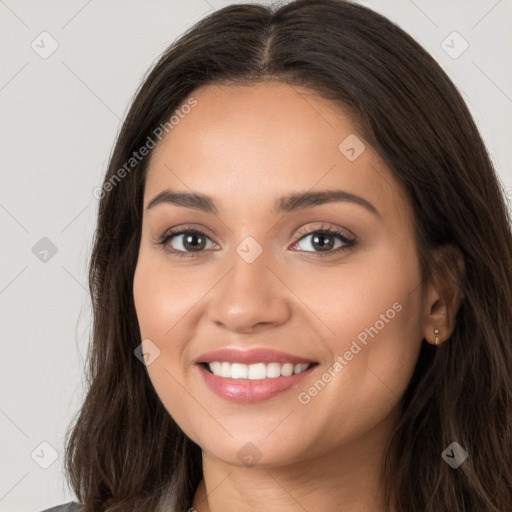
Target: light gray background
{"points": [[60, 116]]}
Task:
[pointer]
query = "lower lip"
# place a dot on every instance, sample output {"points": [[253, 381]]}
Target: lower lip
{"points": [[251, 391]]}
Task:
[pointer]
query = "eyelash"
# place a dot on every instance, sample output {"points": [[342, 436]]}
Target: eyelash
{"points": [[347, 241]]}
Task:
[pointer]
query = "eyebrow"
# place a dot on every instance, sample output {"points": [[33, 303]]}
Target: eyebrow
{"points": [[289, 203]]}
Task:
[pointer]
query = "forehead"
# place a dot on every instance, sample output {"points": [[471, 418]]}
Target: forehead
{"points": [[245, 143]]}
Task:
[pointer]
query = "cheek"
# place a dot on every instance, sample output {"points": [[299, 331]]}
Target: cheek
{"points": [[373, 313], [163, 297], [377, 296]]}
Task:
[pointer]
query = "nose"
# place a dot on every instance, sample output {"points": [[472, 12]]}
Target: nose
{"points": [[250, 298]]}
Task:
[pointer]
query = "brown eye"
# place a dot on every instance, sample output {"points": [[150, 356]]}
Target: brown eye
{"points": [[193, 241], [186, 241], [324, 241]]}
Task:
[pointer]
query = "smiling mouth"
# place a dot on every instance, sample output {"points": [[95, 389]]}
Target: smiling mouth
{"points": [[255, 371]]}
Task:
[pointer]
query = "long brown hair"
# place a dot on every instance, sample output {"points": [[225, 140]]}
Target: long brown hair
{"points": [[124, 449]]}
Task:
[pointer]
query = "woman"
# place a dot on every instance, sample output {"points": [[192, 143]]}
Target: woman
{"points": [[301, 280]]}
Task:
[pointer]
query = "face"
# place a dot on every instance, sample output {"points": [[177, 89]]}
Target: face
{"points": [[307, 305]]}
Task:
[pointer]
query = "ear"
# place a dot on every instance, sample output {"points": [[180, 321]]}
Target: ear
{"points": [[443, 294]]}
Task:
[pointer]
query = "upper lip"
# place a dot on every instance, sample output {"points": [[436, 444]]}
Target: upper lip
{"points": [[256, 355]]}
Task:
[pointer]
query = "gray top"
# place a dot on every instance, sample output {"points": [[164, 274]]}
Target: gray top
{"points": [[72, 506]]}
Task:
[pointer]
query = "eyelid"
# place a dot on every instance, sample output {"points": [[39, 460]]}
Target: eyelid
{"points": [[178, 230], [325, 226]]}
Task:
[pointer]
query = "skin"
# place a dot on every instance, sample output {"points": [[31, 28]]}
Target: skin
{"points": [[246, 146]]}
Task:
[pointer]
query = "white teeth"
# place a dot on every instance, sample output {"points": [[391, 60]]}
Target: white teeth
{"points": [[287, 369], [239, 371], [273, 370], [256, 371], [225, 370], [299, 368], [216, 368]]}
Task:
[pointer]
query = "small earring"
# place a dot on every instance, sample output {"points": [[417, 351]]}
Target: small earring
{"points": [[436, 332]]}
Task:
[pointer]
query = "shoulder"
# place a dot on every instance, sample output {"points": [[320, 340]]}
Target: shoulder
{"points": [[72, 506]]}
